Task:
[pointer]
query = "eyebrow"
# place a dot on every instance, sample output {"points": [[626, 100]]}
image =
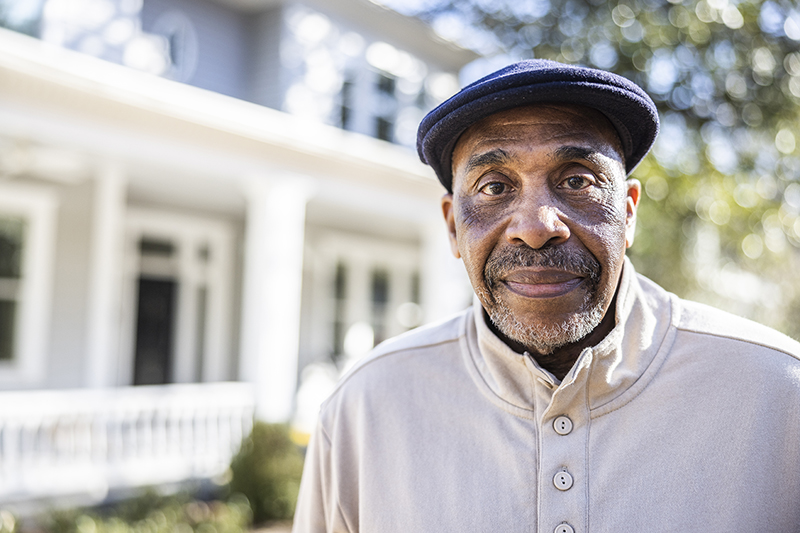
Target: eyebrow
{"points": [[492, 157], [574, 152], [579, 153]]}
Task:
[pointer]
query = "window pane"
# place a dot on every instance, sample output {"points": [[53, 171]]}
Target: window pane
{"points": [[345, 111], [156, 247], [386, 84], [380, 301], [339, 318], [383, 129], [155, 328], [12, 231], [380, 287], [340, 282], [8, 310], [415, 288]]}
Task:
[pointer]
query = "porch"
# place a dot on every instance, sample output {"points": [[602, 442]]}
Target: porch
{"points": [[84, 443]]}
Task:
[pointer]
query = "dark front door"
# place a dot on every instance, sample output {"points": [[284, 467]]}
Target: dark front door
{"points": [[155, 326]]}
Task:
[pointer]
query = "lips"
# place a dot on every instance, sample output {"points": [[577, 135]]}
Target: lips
{"points": [[534, 283], [548, 272]]}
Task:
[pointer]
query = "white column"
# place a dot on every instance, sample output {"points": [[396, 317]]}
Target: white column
{"points": [[444, 285], [273, 274], [105, 281], [318, 337]]}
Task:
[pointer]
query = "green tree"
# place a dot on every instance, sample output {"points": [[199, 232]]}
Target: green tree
{"points": [[719, 219]]}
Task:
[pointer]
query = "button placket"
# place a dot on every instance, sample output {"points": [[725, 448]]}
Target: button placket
{"points": [[563, 461]]}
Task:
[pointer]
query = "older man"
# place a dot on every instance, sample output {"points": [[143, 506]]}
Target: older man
{"points": [[574, 395]]}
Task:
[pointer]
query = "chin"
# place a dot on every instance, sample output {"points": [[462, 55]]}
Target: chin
{"points": [[545, 335]]}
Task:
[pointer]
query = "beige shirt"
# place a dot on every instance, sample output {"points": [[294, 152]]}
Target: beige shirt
{"points": [[683, 419]]}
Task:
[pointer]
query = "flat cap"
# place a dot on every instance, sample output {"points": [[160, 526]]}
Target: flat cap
{"points": [[538, 81]]}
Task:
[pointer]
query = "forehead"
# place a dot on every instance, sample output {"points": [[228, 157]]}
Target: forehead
{"points": [[540, 127]]}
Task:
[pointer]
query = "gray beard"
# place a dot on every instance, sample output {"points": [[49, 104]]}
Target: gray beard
{"points": [[544, 338]]}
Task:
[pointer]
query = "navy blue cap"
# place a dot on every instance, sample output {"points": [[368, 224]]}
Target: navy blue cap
{"points": [[538, 81]]}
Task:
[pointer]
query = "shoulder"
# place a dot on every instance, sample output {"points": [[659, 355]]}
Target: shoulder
{"points": [[714, 324], [717, 326], [705, 333], [415, 352], [444, 331], [717, 350]]}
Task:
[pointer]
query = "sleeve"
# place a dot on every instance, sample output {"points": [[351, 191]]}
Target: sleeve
{"points": [[313, 503]]}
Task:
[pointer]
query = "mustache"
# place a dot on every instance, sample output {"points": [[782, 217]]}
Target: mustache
{"points": [[505, 260]]}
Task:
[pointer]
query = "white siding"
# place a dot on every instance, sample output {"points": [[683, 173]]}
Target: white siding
{"points": [[267, 82]]}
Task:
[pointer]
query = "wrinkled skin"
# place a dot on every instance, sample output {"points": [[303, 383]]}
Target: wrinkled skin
{"points": [[541, 214]]}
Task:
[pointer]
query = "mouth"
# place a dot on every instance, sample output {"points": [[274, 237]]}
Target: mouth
{"points": [[542, 283]]}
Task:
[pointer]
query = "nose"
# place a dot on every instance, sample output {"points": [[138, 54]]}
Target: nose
{"points": [[537, 223]]}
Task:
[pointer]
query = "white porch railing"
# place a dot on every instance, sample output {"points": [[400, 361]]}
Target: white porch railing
{"points": [[87, 442]]}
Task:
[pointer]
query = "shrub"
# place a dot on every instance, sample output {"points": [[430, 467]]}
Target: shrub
{"points": [[267, 470], [153, 513]]}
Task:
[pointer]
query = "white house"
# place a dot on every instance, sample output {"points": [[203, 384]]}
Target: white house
{"points": [[177, 245]]}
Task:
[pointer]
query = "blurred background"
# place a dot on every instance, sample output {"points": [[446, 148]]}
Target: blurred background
{"points": [[209, 209]]}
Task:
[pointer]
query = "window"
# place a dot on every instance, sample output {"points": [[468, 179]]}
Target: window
{"points": [[383, 128], [345, 108], [178, 296], [415, 288], [12, 230], [340, 308], [157, 289], [384, 107], [386, 84], [380, 304], [358, 292], [27, 243]]}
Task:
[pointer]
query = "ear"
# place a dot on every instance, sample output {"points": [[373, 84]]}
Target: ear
{"points": [[634, 190], [447, 211]]}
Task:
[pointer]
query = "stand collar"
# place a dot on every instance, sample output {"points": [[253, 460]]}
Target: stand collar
{"points": [[601, 373]]}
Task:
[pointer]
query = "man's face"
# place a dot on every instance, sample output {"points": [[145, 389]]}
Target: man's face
{"points": [[541, 214]]}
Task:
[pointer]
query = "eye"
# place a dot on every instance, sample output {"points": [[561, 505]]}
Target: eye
{"points": [[577, 183], [494, 188]]}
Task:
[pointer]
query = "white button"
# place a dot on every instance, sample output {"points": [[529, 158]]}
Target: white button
{"points": [[562, 480], [562, 425], [564, 528]]}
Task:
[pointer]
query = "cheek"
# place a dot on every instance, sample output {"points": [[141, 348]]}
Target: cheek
{"points": [[472, 217], [611, 221], [607, 207], [602, 226], [476, 235]]}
